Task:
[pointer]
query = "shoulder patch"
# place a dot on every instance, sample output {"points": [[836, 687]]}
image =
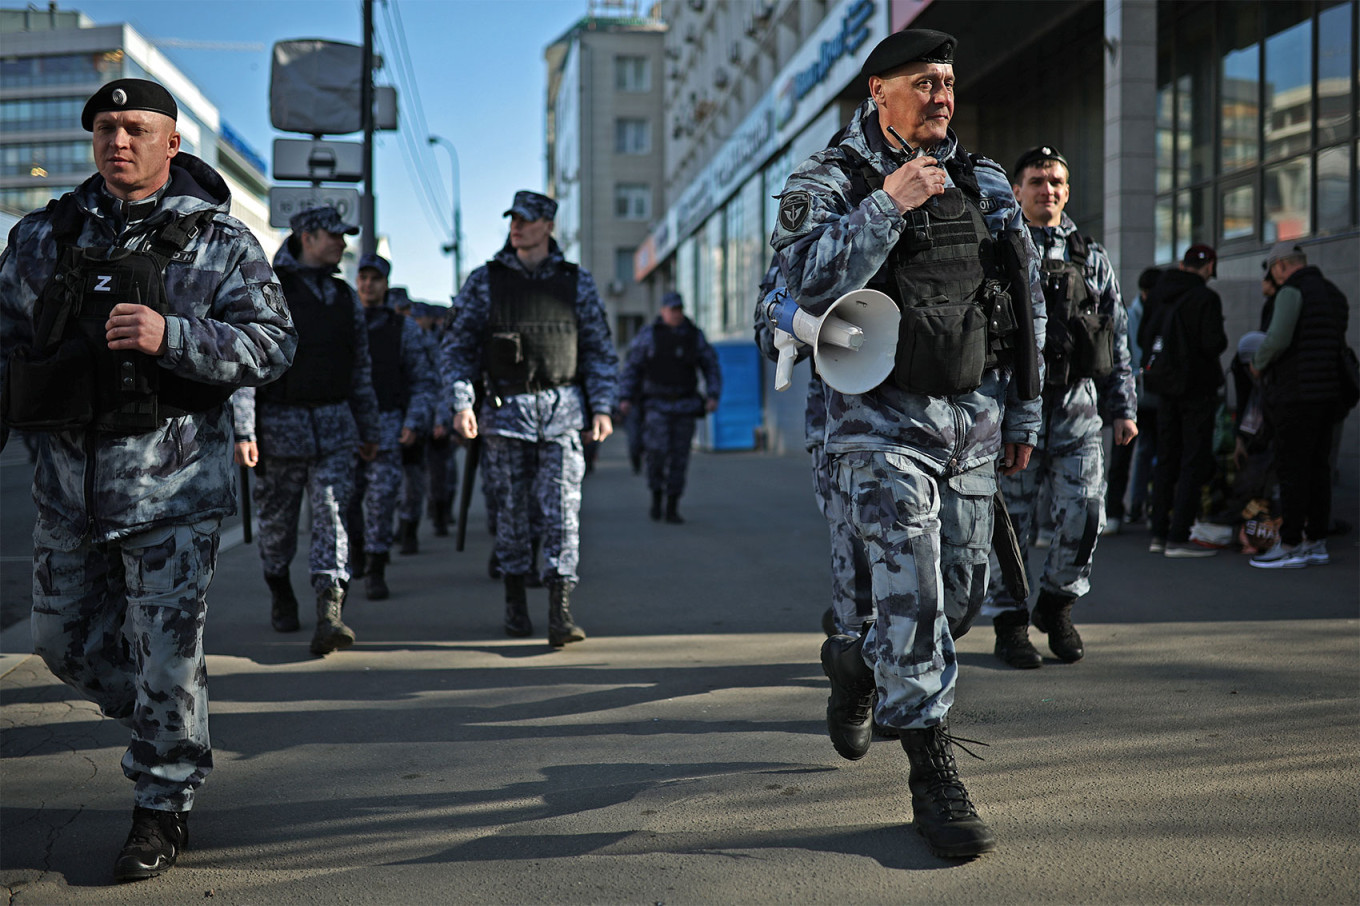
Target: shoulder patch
{"points": [[987, 204], [793, 210]]}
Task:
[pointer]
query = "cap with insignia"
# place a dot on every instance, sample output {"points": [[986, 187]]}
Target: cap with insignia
{"points": [[128, 94], [324, 217], [910, 45], [532, 206], [1036, 156], [377, 263], [672, 300]]}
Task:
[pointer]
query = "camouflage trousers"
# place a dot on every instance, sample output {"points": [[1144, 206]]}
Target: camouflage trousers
{"points": [[537, 489], [667, 439], [1076, 505], [376, 485], [329, 484], [441, 464], [122, 623], [927, 541], [415, 482], [851, 592]]}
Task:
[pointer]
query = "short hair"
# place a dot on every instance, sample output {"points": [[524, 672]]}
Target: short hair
{"points": [[1148, 278]]}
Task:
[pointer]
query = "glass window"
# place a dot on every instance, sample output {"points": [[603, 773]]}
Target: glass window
{"points": [[1194, 217], [632, 74], [1335, 67], [1240, 90], [1335, 175], [1288, 212], [1164, 240], [632, 136], [1288, 83], [1165, 122], [623, 266], [1194, 100], [1237, 207], [633, 201]]}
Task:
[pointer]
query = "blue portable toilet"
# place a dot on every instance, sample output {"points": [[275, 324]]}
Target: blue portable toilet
{"points": [[740, 413]]}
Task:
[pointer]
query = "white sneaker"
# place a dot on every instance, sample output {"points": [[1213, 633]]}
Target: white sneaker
{"points": [[1282, 556], [1315, 552]]}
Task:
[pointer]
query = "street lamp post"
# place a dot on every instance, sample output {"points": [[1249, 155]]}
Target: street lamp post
{"points": [[456, 246]]}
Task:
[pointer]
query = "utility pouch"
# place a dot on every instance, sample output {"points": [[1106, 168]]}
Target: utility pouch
{"points": [[1059, 347], [942, 349], [505, 357], [1093, 352], [49, 390]]}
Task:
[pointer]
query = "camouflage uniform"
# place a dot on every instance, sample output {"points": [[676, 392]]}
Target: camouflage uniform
{"points": [[917, 471], [533, 458], [669, 411], [126, 537], [311, 449], [1070, 455]]}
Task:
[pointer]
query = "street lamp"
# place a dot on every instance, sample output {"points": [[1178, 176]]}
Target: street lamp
{"points": [[456, 246]]}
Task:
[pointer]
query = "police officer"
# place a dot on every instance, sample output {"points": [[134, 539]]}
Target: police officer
{"points": [[1087, 372], [899, 206], [532, 324], [661, 373], [303, 430], [135, 476], [406, 387], [441, 460]]}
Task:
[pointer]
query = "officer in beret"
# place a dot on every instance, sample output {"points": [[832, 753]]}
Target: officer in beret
{"points": [[1087, 377], [301, 433], [532, 322], [661, 374], [135, 474], [899, 206]]}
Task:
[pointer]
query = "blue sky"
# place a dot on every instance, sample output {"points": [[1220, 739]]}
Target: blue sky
{"points": [[479, 69]]}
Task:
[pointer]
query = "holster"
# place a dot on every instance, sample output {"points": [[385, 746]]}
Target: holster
{"points": [[1006, 545]]}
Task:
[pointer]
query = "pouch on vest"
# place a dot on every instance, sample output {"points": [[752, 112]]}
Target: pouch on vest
{"points": [[941, 349], [1093, 352], [505, 357]]}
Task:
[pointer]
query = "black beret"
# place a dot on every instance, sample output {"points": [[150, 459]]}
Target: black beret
{"points": [[128, 94], [1036, 156], [911, 45]]}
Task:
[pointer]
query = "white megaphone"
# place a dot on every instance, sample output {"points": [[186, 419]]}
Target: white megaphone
{"points": [[853, 342]]}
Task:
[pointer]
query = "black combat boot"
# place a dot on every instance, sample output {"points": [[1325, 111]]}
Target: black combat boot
{"points": [[655, 511], [829, 622], [940, 807], [673, 511], [406, 535], [517, 624], [493, 566], [153, 844], [375, 577], [850, 707], [283, 606], [1053, 615], [561, 629], [331, 633], [1013, 647], [439, 516]]}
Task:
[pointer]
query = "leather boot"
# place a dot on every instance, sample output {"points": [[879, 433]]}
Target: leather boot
{"points": [[672, 510], [561, 629], [1053, 615], [1013, 647], [406, 534], [375, 577], [517, 624], [850, 707], [331, 633], [283, 605], [655, 511], [153, 845], [940, 807], [439, 515]]}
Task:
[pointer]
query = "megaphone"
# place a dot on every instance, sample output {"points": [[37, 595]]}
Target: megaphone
{"points": [[853, 342]]}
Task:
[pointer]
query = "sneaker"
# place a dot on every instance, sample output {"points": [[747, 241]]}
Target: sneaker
{"points": [[1113, 526], [1184, 550], [152, 846], [1157, 545], [1315, 552], [1282, 556]]}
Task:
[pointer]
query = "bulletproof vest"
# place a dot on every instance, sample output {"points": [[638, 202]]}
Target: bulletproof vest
{"points": [[531, 330], [670, 370], [323, 366], [1307, 370], [945, 276], [384, 351], [1080, 340], [69, 379]]}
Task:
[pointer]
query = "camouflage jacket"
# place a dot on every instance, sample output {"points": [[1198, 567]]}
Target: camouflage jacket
{"points": [[1074, 415], [417, 373], [635, 382], [546, 413], [306, 432], [226, 325], [814, 414], [837, 248]]}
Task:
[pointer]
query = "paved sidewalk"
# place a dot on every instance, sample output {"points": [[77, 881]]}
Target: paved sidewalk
{"points": [[1207, 750]]}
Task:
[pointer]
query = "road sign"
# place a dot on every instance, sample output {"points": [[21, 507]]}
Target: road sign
{"points": [[285, 201], [322, 161]]}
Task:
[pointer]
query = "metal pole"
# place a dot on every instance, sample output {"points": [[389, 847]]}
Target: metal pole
{"points": [[368, 206], [456, 246]]}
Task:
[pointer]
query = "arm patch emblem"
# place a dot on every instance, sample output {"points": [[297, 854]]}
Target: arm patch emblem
{"points": [[793, 210]]}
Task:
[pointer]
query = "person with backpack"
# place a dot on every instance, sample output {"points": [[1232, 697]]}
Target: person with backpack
{"points": [[130, 309], [1182, 337]]}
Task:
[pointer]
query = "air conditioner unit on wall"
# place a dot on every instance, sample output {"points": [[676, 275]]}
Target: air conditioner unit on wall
{"points": [[616, 287]]}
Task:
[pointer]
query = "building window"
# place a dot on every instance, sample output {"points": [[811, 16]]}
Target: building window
{"points": [[633, 201], [632, 74], [1256, 122], [632, 136], [623, 266], [46, 159]]}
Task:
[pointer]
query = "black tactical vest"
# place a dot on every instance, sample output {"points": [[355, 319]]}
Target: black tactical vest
{"points": [[323, 366], [1308, 369], [675, 355], [1080, 340], [531, 330], [384, 351], [69, 379]]}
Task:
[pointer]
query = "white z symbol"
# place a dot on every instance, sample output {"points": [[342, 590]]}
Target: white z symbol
{"points": [[102, 283]]}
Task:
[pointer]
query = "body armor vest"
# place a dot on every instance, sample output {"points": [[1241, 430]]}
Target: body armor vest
{"points": [[69, 379], [384, 351], [946, 277], [670, 370], [1080, 339], [531, 330], [323, 366]]}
